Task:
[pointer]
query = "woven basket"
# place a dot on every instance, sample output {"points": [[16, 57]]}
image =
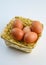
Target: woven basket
{"points": [[21, 45]]}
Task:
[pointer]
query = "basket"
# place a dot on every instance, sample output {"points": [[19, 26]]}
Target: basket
{"points": [[21, 45]]}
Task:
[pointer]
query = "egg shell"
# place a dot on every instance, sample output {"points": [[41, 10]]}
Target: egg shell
{"points": [[26, 29], [30, 37], [18, 24], [17, 33], [36, 27]]}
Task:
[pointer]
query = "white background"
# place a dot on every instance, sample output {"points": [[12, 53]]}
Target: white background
{"points": [[34, 9]]}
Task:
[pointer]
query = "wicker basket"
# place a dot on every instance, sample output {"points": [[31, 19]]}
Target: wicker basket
{"points": [[21, 45]]}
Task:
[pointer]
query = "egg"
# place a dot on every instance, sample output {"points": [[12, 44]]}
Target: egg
{"points": [[30, 37], [17, 34], [26, 29], [36, 27], [18, 24]]}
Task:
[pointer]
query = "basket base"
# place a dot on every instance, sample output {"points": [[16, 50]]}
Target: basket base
{"points": [[28, 50]]}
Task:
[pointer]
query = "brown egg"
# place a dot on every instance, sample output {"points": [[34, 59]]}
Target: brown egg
{"points": [[26, 29], [36, 27], [30, 37], [17, 33], [18, 24]]}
